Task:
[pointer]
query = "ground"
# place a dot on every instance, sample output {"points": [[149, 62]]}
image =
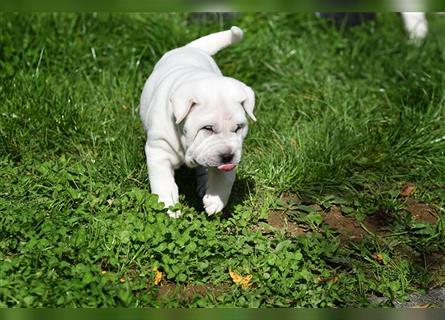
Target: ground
{"points": [[339, 198]]}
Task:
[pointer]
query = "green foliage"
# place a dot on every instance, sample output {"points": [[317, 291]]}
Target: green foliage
{"points": [[345, 119]]}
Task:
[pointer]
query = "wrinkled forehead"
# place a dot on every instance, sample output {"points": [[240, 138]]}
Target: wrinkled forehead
{"points": [[219, 99], [218, 110]]}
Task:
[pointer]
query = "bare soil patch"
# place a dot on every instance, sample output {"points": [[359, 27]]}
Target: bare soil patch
{"points": [[421, 212], [380, 221], [348, 227], [278, 219], [435, 264]]}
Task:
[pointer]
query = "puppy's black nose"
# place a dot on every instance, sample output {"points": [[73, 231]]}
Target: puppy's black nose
{"points": [[226, 157]]}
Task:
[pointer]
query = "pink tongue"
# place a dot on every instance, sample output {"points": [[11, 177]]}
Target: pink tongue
{"points": [[226, 167]]}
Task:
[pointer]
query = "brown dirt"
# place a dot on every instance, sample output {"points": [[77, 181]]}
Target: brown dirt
{"points": [[348, 227], [421, 212], [278, 219], [380, 221], [289, 197], [435, 264]]}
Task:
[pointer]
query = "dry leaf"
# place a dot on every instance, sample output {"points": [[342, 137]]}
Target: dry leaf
{"points": [[243, 281], [158, 277], [122, 280], [379, 258], [408, 190], [422, 306], [309, 97], [332, 279]]}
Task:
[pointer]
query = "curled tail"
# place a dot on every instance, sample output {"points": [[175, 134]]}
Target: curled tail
{"points": [[214, 42]]}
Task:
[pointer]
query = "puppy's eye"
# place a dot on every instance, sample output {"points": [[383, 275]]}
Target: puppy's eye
{"points": [[207, 128], [239, 127]]}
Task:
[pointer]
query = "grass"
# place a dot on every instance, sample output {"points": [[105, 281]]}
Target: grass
{"points": [[346, 119]]}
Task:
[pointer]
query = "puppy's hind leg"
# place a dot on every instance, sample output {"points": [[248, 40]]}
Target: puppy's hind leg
{"points": [[219, 186]]}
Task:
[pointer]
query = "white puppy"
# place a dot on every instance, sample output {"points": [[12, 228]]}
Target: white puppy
{"points": [[194, 115]]}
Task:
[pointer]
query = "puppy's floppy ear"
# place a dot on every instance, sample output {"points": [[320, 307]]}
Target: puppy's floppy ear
{"points": [[248, 102], [182, 102]]}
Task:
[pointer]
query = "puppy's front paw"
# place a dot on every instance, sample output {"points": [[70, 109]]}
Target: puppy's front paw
{"points": [[174, 214], [212, 204]]}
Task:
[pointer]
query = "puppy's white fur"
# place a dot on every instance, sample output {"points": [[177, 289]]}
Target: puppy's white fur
{"points": [[416, 25], [194, 115]]}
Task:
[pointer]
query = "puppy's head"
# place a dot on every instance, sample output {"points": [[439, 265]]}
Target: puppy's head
{"points": [[211, 114]]}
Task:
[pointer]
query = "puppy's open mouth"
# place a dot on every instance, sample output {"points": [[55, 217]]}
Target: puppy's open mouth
{"points": [[227, 167]]}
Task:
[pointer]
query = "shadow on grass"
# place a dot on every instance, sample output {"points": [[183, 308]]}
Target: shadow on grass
{"points": [[186, 180]]}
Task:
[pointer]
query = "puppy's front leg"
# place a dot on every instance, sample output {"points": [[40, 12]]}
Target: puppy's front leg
{"points": [[162, 178], [219, 186]]}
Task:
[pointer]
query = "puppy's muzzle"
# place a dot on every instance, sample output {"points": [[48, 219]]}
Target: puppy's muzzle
{"points": [[226, 162], [226, 158]]}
